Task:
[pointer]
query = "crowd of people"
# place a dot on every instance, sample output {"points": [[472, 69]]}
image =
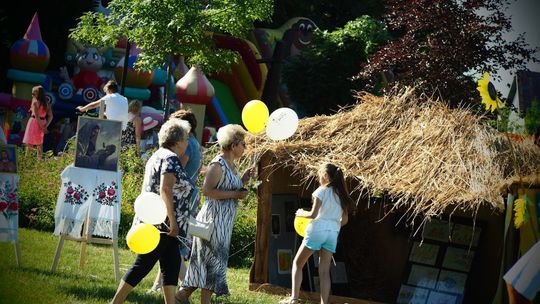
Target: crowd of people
{"points": [[174, 163], [172, 172]]}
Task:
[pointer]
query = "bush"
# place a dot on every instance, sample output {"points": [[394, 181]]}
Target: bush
{"points": [[38, 188], [243, 236], [40, 182]]}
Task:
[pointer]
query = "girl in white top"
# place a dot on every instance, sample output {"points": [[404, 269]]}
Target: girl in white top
{"points": [[331, 207]]}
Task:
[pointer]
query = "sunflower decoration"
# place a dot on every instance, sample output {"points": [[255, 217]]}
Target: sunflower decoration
{"points": [[521, 211], [489, 93]]}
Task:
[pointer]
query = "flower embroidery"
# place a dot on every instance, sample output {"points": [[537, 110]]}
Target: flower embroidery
{"points": [[75, 194], [106, 194], [8, 200]]}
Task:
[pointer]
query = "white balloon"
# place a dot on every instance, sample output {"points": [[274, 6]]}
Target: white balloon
{"points": [[150, 208], [282, 124]]}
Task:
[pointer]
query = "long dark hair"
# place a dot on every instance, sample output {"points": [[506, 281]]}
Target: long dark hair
{"points": [[337, 182], [39, 93]]}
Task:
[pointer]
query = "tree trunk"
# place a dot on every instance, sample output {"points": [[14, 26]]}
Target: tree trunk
{"points": [[166, 103]]}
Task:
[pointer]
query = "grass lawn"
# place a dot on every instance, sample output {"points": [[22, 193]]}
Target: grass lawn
{"points": [[32, 282]]}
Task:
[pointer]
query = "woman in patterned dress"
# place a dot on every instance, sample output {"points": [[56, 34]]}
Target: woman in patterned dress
{"points": [[132, 134], [164, 175], [222, 188]]}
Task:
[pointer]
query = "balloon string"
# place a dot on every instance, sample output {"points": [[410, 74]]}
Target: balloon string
{"points": [[254, 157], [180, 238]]}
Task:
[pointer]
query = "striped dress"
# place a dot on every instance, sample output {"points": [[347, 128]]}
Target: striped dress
{"points": [[208, 265]]}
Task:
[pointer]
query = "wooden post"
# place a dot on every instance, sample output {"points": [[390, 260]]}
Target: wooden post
{"points": [[85, 239], [17, 253], [115, 258], [259, 270], [58, 251]]}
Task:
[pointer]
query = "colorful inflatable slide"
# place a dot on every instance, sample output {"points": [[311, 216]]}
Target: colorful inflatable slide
{"points": [[247, 78]]}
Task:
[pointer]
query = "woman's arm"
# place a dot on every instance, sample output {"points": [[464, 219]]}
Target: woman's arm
{"points": [[184, 160], [34, 108], [165, 191], [314, 210], [211, 180], [49, 116]]}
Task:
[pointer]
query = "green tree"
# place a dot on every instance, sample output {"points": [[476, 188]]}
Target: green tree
{"points": [[319, 79], [438, 44], [532, 118], [163, 28], [327, 14]]}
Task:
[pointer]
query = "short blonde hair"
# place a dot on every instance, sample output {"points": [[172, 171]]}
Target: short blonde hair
{"points": [[172, 132], [229, 135]]}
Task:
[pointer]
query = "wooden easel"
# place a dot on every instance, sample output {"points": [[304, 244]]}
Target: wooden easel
{"points": [[84, 239], [87, 237], [17, 252]]}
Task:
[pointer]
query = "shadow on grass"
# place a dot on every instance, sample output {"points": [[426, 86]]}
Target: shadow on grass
{"points": [[105, 294], [47, 273]]}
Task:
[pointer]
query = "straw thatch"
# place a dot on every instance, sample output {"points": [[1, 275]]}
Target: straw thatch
{"points": [[422, 154]]}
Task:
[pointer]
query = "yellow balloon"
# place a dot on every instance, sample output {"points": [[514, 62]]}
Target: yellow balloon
{"points": [[300, 224], [255, 116], [143, 238]]}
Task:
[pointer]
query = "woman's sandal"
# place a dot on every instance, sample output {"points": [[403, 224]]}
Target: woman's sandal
{"points": [[289, 301]]}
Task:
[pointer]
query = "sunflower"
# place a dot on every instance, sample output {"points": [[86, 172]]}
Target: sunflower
{"points": [[521, 211], [489, 93]]}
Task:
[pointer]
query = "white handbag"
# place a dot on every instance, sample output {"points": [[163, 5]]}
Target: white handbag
{"points": [[200, 229]]}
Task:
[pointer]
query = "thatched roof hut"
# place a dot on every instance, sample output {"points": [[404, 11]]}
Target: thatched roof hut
{"points": [[418, 151], [427, 158]]}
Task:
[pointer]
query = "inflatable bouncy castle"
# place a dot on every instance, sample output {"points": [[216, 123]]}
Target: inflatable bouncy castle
{"points": [[77, 83], [217, 99], [29, 57]]}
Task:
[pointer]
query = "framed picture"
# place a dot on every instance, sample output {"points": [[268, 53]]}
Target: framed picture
{"points": [[284, 259], [437, 230], [465, 235], [423, 276], [8, 159], [441, 298], [98, 143], [458, 259], [452, 281], [412, 295], [424, 253]]}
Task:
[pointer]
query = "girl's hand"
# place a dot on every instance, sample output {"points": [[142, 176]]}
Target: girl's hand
{"points": [[301, 212]]}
